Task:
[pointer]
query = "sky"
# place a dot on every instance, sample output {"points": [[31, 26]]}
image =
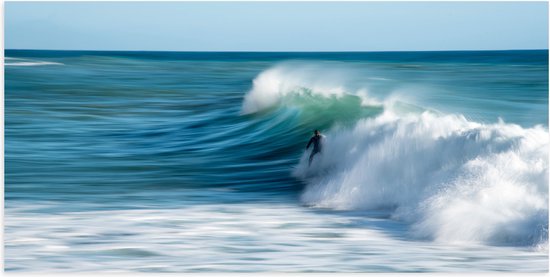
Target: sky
{"points": [[276, 26]]}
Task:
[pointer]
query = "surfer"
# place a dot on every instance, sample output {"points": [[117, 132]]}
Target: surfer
{"points": [[316, 140]]}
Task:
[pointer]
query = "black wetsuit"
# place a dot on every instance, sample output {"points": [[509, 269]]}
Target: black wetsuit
{"points": [[316, 140]]}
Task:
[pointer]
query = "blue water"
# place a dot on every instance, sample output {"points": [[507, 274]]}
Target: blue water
{"points": [[190, 161]]}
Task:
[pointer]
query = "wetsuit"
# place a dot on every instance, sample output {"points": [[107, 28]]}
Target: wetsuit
{"points": [[316, 140]]}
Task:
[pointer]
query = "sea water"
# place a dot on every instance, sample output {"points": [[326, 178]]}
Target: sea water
{"points": [[196, 162]]}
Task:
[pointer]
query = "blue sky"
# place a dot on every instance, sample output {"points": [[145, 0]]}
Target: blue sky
{"points": [[276, 26]]}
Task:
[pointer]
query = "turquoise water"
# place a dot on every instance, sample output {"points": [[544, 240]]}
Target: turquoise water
{"points": [[177, 162]]}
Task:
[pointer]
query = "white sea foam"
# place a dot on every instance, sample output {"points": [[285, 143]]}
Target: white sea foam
{"points": [[271, 237], [454, 180], [25, 62]]}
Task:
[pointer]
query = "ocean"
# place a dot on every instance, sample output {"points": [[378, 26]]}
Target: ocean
{"points": [[196, 161]]}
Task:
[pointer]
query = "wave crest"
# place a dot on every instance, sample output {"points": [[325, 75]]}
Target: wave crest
{"points": [[275, 84]]}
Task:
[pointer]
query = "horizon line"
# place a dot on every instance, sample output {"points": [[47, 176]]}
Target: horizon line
{"points": [[280, 51]]}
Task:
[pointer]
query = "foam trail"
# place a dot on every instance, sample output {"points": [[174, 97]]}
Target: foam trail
{"points": [[25, 62], [454, 180]]}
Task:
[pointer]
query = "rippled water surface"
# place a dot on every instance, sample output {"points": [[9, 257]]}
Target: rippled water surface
{"points": [[193, 162]]}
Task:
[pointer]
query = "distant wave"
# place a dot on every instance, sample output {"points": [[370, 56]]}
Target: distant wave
{"points": [[26, 62], [452, 179]]}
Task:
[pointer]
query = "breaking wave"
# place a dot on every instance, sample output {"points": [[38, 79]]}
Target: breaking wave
{"points": [[452, 179]]}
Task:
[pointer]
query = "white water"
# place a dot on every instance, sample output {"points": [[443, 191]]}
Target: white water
{"points": [[452, 179], [245, 237]]}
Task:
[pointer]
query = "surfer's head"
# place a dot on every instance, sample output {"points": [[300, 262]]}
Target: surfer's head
{"points": [[316, 132]]}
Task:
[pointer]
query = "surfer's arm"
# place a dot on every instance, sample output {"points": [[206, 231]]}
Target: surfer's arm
{"points": [[309, 143]]}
